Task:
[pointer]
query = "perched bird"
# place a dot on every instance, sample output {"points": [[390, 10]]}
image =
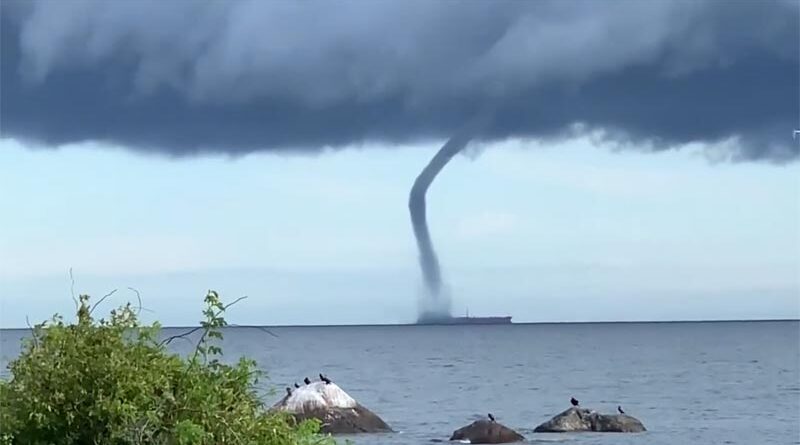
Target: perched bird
{"points": [[491, 417], [288, 391], [296, 385], [573, 401], [619, 408], [307, 381], [324, 379]]}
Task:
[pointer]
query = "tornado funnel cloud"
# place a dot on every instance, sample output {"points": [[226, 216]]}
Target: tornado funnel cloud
{"points": [[435, 303]]}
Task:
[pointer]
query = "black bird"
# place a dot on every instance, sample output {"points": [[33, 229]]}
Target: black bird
{"points": [[288, 391], [573, 401], [307, 381], [619, 408], [324, 379], [296, 385], [491, 417]]}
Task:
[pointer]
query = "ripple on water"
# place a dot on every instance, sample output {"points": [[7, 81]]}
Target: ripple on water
{"points": [[428, 382]]}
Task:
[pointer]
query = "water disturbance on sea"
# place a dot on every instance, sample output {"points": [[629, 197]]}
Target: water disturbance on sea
{"points": [[689, 383]]}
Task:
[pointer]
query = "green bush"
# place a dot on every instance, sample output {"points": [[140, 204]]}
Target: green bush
{"points": [[112, 382]]}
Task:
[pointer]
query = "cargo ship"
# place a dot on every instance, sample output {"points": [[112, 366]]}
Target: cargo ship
{"points": [[440, 319]]}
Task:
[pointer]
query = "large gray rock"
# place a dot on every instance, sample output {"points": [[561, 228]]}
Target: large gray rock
{"points": [[486, 431], [579, 419], [328, 403]]}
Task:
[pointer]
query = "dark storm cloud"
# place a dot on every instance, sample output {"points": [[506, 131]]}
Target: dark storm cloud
{"points": [[182, 77]]}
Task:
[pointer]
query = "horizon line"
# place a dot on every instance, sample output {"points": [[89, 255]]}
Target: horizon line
{"points": [[523, 323]]}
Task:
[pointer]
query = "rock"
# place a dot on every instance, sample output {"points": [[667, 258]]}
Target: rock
{"points": [[618, 423], [338, 412], [573, 419], [578, 419], [486, 431]]}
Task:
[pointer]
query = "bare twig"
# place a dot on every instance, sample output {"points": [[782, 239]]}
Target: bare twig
{"points": [[260, 328], [208, 328], [183, 336], [234, 302], [72, 289], [139, 298], [143, 429], [33, 332], [101, 300], [168, 340]]}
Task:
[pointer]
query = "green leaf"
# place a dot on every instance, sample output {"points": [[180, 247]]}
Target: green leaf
{"points": [[111, 381]]}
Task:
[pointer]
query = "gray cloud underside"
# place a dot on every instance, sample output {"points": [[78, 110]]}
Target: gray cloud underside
{"points": [[186, 77]]}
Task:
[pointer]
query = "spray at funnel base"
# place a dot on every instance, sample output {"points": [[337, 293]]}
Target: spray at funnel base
{"points": [[436, 303]]}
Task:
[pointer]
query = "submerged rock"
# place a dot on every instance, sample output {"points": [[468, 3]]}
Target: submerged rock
{"points": [[338, 412], [578, 419], [486, 431]]}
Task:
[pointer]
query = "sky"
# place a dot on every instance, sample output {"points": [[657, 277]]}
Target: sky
{"points": [[628, 160], [570, 231]]}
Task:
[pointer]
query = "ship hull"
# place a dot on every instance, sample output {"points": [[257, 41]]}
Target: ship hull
{"points": [[439, 320]]}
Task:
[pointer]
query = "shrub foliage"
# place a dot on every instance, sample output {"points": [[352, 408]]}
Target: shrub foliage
{"points": [[113, 382]]}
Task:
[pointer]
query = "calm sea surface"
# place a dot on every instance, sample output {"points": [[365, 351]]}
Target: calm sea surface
{"points": [[689, 383]]}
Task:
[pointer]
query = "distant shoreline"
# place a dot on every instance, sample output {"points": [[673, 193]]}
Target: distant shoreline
{"points": [[388, 325]]}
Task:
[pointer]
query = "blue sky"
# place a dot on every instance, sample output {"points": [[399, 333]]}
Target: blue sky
{"points": [[568, 231]]}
